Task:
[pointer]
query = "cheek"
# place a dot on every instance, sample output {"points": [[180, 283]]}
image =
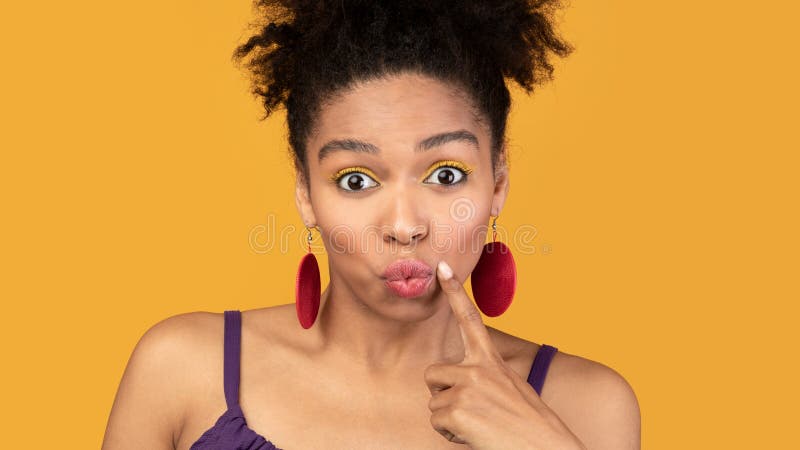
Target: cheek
{"points": [[460, 237], [337, 223], [341, 240], [346, 233]]}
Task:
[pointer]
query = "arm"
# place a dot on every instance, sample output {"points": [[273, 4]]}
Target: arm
{"points": [[149, 406]]}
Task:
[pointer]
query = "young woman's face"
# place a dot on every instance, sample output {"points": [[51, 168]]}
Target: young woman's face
{"points": [[400, 169]]}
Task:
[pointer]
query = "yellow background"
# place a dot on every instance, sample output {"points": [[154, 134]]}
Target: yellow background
{"points": [[658, 170]]}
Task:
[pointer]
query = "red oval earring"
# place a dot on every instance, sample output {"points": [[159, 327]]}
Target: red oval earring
{"points": [[494, 279], [307, 288]]}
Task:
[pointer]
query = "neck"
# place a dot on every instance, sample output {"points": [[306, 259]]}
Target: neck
{"points": [[351, 328]]}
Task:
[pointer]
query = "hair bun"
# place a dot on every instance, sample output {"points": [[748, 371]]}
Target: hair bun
{"points": [[304, 51], [515, 37]]}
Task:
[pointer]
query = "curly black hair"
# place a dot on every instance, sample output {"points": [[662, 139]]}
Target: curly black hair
{"points": [[306, 51]]}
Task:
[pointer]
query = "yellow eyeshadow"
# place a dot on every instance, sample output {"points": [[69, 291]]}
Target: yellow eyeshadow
{"points": [[448, 162], [347, 170], [445, 163]]}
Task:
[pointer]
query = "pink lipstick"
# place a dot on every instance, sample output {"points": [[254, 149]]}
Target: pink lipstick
{"points": [[408, 278]]}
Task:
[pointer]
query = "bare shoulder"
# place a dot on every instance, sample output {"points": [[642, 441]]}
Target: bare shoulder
{"points": [[595, 401], [280, 319], [276, 327], [160, 380]]}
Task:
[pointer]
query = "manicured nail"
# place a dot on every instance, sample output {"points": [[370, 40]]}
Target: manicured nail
{"points": [[445, 270]]}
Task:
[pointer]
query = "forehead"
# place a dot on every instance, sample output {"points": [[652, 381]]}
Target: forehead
{"points": [[397, 109]]}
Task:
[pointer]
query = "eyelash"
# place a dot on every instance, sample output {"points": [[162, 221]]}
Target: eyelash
{"points": [[337, 178], [463, 168]]}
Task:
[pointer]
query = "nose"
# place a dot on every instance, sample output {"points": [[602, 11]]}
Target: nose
{"points": [[405, 223]]}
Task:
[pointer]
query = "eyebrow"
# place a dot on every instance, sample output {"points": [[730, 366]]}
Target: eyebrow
{"points": [[428, 143]]}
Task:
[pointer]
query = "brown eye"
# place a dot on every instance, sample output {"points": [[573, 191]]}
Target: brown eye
{"points": [[356, 181], [446, 175]]}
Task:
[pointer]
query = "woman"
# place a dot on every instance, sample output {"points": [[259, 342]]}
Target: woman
{"points": [[396, 113]]}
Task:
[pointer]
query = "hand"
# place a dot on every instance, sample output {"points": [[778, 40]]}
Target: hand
{"points": [[481, 401]]}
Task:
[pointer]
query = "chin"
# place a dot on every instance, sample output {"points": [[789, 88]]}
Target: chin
{"points": [[408, 309]]}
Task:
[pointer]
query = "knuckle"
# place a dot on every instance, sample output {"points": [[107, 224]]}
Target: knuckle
{"points": [[471, 315], [496, 361], [461, 401], [449, 418], [442, 417], [476, 374], [453, 414], [429, 372], [451, 287]]}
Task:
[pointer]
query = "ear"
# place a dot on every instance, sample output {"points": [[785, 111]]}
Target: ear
{"points": [[302, 199], [501, 184]]}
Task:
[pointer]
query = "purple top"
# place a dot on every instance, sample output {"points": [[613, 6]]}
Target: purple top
{"points": [[231, 432]]}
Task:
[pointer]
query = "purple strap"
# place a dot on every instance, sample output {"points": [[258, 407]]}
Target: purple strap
{"points": [[540, 365], [233, 334]]}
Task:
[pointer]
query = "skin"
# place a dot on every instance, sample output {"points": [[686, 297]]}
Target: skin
{"points": [[376, 370]]}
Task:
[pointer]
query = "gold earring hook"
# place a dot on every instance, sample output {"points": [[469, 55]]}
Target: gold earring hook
{"points": [[309, 239]]}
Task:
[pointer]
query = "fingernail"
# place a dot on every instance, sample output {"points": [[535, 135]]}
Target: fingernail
{"points": [[445, 270]]}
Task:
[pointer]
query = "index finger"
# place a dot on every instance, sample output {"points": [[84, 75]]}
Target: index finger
{"points": [[477, 343]]}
